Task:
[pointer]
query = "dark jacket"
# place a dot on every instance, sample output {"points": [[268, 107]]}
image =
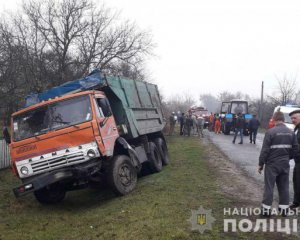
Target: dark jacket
{"points": [[181, 119], [297, 155], [239, 122], [189, 122], [279, 146], [254, 124]]}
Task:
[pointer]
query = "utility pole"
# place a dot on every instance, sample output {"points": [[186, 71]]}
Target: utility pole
{"points": [[261, 102]]}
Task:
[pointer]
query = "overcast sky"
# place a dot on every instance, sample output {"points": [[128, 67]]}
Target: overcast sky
{"points": [[211, 46]]}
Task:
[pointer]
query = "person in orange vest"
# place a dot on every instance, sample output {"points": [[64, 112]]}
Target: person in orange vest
{"points": [[218, 125], [211, 122]]}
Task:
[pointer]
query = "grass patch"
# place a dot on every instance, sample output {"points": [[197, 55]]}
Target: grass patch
{"points": [[158, 209]]}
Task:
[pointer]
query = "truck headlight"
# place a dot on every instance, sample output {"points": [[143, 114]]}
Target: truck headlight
{"points": [[91, 153], [24, 170]]}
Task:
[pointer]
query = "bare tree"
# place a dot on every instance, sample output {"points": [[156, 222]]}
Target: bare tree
{"points": [[210, 102], [54, 41], [181, 103], [228, 96], [286, 90], [84, 36]]}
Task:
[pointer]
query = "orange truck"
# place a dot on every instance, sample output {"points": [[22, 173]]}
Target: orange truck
{"points": [[110, 131]]}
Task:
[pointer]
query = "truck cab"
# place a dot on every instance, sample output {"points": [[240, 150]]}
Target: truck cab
{"points": [[70, 141]]}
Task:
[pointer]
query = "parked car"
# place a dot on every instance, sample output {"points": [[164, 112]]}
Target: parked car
{"points": [[286, 110]]}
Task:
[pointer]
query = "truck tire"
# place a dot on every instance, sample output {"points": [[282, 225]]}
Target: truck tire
{"points": [[51, 194], [122, 176], [162, 148], [154, 158]]}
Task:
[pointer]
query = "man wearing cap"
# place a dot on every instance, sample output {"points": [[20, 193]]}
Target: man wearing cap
{"points": [[295, 117], [279, 146]]}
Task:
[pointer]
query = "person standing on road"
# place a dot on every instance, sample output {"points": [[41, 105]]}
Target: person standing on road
{"points": [[195, 128], [239, 127], [200, 125], [211, 122], [217, 125], [295, 117], [253, 127], [279, 146]]}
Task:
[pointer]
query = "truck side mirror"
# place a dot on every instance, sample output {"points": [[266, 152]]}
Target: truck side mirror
{"points": [[6, 135]]}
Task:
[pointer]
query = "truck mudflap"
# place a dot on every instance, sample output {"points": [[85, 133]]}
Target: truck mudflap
{"points": [[41, 182]]}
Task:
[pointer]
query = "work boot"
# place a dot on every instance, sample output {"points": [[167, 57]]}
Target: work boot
{"points": [[294, 206], [283, 212], [265, 212]]}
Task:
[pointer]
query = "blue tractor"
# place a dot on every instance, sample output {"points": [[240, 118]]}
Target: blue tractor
{"points": [[229, 112]]}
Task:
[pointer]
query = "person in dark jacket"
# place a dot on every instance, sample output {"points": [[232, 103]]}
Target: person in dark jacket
{"points": [[253, 127], [279, 146], [295, 117], [188, 125], [239, 127], [181, 122]]}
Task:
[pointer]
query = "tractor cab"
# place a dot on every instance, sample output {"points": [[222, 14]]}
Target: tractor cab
{"points": [[229, 112]]}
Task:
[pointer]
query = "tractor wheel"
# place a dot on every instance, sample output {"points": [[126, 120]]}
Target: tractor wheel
{"points": [[226, 129]]}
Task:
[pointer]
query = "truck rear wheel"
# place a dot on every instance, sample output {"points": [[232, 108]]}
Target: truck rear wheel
{"points": [[122, 176], [154, 158], [162, 148], [51, 194]]}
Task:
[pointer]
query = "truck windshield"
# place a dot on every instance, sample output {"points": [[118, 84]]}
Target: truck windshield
{"points": [[52, 117]]}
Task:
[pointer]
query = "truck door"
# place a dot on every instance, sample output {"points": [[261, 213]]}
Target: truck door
{"points": [[107, 125]]}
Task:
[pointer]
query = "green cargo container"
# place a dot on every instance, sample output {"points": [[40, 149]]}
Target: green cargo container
{"points": [[136, 104]]}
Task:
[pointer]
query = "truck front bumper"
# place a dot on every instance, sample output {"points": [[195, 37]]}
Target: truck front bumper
{"points": [[82, 171], [41, 182]]}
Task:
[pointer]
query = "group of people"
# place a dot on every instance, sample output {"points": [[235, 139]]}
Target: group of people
{"points": [[279, 146], [189, 124], [215, 124]]}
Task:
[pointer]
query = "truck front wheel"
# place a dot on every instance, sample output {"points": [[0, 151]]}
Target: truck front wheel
{"points": [[122, 175], [51, 194]]}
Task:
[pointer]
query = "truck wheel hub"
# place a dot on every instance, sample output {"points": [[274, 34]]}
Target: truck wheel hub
{"points": [[124, 174]]}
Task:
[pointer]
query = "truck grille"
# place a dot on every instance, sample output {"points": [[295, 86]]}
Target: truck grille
{"points": [[49, 164]]}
